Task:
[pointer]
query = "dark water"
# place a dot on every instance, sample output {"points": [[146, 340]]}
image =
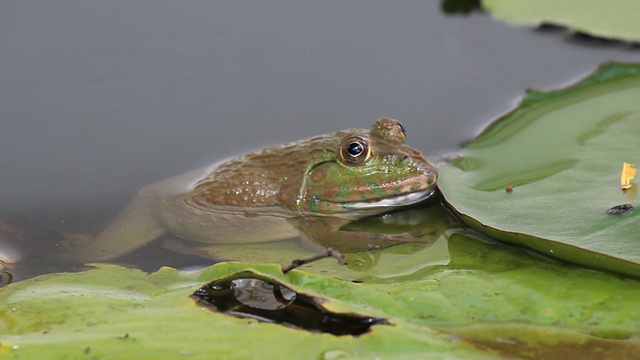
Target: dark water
{"points": [[271, 302], [99, 99]]}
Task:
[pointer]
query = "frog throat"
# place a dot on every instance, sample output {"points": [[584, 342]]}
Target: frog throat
{"points": [[367, 207]]}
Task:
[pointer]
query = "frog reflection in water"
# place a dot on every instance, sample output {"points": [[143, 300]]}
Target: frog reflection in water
{"points": [[309, 188]]}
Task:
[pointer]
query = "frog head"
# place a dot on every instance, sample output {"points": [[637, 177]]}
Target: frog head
{"points": [[368, 172]]}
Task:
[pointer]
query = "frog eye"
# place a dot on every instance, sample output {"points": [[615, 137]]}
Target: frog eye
{"points": [[355, 150]]}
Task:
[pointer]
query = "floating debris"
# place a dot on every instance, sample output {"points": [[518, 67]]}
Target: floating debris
{"points": [[628, 173]]}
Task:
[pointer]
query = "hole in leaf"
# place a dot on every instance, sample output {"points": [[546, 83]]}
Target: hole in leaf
{"points": [[251, 297]]}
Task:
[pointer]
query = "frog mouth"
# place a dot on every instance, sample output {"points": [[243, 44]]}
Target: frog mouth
{"points": [[390, 201]]}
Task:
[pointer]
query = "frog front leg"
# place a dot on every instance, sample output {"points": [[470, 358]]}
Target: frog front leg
{"points": [[327, 232], [133, 228]]}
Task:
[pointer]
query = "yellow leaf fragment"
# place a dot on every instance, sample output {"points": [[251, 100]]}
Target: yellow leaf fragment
{"points": [[628, 172]]}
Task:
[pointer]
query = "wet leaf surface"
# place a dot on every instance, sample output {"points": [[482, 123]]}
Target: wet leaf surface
{"points": [[560, 151]]}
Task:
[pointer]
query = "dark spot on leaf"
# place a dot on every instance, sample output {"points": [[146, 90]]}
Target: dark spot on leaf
{"points": [[246, 296], [620, 209]]}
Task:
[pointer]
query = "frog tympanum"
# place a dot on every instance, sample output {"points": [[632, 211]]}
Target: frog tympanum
{"points": [[309, 188]]}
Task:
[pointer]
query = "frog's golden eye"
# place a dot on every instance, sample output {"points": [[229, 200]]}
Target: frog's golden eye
{"points": [[355, 150]]}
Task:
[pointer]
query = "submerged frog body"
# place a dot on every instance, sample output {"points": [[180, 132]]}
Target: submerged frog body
{"points": [[309, 188]]}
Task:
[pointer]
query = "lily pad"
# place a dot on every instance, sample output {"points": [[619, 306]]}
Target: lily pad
{"points": [[616, 20], [114, 312], [491, 300], [562, 153]]}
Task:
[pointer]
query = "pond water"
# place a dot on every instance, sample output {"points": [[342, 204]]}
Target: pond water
{"points": [[100, 99]]}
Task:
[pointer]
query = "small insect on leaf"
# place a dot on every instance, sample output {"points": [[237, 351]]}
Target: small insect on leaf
{"points": [[620, 209], [628, 172]]}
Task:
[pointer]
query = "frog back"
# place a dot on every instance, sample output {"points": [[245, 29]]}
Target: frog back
{"points": [[266, 181]]}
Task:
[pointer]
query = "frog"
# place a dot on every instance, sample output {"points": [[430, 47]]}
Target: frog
{"points": [[308, 189]]}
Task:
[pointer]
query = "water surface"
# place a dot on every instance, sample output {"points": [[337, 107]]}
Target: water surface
{"points": [[99, 99]]}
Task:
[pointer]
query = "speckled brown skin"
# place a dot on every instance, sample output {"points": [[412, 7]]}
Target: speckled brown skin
{"points": [[309, 188]]}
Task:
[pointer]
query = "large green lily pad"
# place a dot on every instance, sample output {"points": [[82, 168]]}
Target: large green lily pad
{"points": [[490, 300], [562, 152], [610, 19]]}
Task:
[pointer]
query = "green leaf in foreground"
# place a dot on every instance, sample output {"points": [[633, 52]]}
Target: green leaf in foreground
{"points": [[562, 152], [490, 300], [609, 19]]}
